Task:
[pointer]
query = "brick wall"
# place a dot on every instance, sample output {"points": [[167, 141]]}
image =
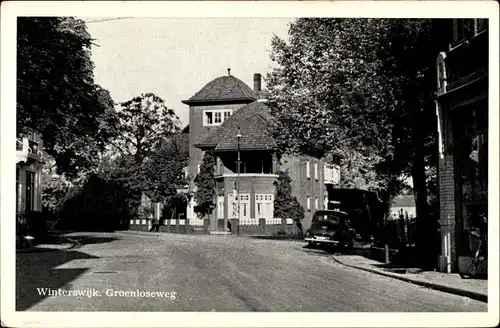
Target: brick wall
{"points": [[447, 213], [302, 186]]}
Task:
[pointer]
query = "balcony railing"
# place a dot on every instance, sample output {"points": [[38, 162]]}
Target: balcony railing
{"points": [[332, 174]]}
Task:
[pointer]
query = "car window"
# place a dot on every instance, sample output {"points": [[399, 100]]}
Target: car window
{"points": [[327, 217]]}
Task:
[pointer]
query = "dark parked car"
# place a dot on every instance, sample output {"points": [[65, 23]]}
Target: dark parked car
{"points": [[330, 228]]}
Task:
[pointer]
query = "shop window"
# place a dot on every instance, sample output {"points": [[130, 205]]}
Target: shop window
{"points": [[471, 155]]}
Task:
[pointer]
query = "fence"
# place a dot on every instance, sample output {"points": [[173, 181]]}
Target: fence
{"points": [[248, 227]]}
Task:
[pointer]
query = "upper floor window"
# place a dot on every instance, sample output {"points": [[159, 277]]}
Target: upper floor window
{"points": [[308, 203], [216, 116], [308, 169], [316, 171], [464, 29], [316, 202]]}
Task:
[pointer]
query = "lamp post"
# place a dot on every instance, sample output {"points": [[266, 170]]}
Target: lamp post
{"points": [[238, 136]]}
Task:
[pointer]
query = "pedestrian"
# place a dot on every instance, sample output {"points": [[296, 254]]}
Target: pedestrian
{"points": [[154, 225]]}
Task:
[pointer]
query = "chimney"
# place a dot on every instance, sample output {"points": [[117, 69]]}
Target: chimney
{"points": [[257, 83]]}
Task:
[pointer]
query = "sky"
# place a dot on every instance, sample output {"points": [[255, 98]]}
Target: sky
{"points": [[175, 57]]}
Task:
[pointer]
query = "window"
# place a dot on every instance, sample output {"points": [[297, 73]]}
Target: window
{"points": [[215, 117], [482, 24], [264, 206], [198, 169], [220, 206], [316, 171], [308, 169], [244, 206], [462, 30], [308, 203], [218, 118], [208, 118], [325, 202], [316, 202]]}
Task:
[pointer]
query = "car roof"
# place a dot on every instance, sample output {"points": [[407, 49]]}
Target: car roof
{"points": [[330, 212]]}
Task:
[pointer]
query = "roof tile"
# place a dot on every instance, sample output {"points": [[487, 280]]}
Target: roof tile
{"points": [[252, 120], [223, 88]]}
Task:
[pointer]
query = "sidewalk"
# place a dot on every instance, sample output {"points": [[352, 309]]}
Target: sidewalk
{"points": [[445, 282]]}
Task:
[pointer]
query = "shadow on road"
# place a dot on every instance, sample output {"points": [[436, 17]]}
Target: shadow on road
{"points": [[81, 238], [89, 240], [38, 271]]}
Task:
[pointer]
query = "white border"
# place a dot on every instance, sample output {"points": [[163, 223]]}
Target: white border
{"points": [[441, 9]]}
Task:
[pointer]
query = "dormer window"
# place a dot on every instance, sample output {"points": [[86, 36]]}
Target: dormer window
{"points": [[216, 117]]}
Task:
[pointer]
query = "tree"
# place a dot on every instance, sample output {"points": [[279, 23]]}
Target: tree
{"points": [[144, 122], [363, 87], [56, 94], [135, 157], [287, 206], [205, 183], [163, 171], [54, 186]]}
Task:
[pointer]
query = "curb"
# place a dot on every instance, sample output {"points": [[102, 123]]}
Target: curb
{"points": [[447, 289]]}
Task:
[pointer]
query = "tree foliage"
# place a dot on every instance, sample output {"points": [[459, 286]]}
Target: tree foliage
{"points": [[144, 122], [54, 186], [286, 206], [163, 171], [56, 93], [364, 88], [205, 185]]}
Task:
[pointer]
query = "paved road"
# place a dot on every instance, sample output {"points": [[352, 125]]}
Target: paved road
{"points": [[213, 273]]}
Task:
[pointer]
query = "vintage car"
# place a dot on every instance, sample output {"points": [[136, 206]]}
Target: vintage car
{"points": [[330, 228]]}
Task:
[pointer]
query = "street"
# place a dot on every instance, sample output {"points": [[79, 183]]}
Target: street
{"points": [[211, 273]]}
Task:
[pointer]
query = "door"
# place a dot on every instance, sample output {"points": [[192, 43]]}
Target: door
{"points": [[30, 191]]}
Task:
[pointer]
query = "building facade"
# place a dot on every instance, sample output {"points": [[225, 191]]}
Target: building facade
{"points": [[229, 119], [28, 176], [462, 110]]}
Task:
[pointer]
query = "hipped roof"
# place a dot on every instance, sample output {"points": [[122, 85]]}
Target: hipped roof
{"points": [[253, 122], [223, 89]]}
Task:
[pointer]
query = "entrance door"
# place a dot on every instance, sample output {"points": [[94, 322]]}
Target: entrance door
{"points": [[30, 191]]}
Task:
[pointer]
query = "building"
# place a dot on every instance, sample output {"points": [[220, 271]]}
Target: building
{"points": [[462, 110], [28, 177], [227, 118]]}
